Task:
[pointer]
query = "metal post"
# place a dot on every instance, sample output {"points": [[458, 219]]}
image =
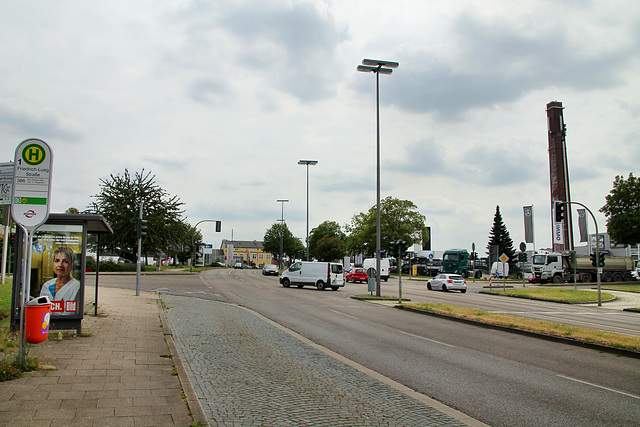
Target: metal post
{"points": [[138, 264], [307, 259], [378, 185]]}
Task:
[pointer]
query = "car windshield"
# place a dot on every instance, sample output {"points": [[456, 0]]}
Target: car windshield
{"points": [[540, 259]]}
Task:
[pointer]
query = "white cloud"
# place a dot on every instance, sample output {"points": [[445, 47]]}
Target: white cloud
{"points": [[221, 99]]}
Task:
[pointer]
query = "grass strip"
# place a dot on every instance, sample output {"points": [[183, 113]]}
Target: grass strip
{"points": [[594, 336], [568, 296]]}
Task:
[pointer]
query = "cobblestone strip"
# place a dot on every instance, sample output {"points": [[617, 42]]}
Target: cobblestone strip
{"points": [[247, 372]]}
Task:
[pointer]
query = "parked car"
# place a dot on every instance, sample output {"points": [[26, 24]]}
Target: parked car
{"points": [[447, 282], [357, 275], [270, 269], [237, 265], [217, 264]]}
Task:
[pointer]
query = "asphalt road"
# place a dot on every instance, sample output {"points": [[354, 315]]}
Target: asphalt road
{"points": [[497, 377]]}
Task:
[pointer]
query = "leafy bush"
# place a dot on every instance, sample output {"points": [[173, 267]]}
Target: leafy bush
{"points": [[9, 371]]}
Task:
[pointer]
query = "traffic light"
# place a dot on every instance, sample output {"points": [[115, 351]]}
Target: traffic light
{"points": [[593, 259], [525, 257], [601, 264], [142, 228], [559, 211], [393, 248], [402, 247], [218, 226]]}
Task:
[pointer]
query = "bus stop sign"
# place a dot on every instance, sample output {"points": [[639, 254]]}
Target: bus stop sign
{"points": [[31, 192]]}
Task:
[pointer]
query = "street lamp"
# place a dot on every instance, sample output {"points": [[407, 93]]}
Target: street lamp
{"points": [[282, 202], [308, 162], [377, 67]]}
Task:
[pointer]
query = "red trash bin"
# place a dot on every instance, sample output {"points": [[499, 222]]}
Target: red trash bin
{"points": [[37, 317]]}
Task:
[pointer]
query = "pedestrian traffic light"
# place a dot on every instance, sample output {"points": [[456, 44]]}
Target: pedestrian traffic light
{"points": [[559, 211], [142, 228], [593, 259], [601, 261]]}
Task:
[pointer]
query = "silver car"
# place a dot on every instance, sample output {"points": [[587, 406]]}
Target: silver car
{"points": [[447, 282]]}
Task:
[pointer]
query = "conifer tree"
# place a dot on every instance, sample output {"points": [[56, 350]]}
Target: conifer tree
{"points": [[499, 236]]}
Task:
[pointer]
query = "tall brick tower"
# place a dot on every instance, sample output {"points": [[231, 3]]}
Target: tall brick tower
{"points": [[559, 173]]}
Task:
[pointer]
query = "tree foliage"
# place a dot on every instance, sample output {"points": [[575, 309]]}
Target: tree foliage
{"points": [[622, 210], [119, 201], [399, 220], [332, 231], [291, 245], [499, 236]]}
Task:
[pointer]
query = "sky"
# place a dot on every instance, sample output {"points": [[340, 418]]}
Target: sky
{"points": [[219, 100]]}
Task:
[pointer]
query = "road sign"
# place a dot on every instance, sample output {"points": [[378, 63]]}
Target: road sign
{"points": [[31, 192], [6, 182], [504, 258]]}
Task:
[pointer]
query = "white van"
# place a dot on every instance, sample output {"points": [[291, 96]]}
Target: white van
{"points": [[384, 266], [322, 275]]}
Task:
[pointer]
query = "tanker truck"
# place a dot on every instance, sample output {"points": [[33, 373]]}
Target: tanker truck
{"points": [[558, 268]]}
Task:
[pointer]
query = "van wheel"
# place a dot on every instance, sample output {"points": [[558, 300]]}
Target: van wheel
{"points": [[286, 283], [320, 285], [386, 279], [334, 288], [301, 286]]}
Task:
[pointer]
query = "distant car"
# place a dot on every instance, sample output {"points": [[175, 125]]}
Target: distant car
{"points": [[447, 282], [237, 265], [217, 264], [270, 269], [357, 275]]}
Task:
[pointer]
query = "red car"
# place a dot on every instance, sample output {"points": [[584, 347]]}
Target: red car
{"points": [[357, 275]]}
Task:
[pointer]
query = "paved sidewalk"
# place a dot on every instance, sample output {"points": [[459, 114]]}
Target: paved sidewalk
{"points": [[248, 371], [118, 372]]}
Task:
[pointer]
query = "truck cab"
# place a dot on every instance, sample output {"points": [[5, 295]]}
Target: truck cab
{"points": [[548, 267], [456, 261]]}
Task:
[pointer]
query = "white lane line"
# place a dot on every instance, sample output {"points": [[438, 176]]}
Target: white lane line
{"points": [[427, 339], [347, 315], [599, 386]]}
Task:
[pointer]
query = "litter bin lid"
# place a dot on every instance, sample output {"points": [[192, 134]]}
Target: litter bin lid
{"points": [[39, 301]]}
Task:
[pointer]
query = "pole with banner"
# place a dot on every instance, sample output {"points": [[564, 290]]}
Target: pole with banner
{"points": [[30, 201], [6, 182]]}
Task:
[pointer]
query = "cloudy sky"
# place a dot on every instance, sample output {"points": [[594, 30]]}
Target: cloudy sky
{"points": [[220, 99]]}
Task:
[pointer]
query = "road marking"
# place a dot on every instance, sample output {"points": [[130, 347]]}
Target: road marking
{"points": [[427, 339], [348, 315], [599, 386]]}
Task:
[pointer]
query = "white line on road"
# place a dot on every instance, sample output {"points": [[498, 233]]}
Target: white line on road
{"points": [[427, 339], [599, 386], [348, 315]]}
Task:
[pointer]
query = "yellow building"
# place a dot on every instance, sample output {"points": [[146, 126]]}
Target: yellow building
{"points": [[248, 252]]}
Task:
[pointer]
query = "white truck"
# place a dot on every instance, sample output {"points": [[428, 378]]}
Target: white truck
{"points": [[384, 266], [322, 275], [558, 268]]}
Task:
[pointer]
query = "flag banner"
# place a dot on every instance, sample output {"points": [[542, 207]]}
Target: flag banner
{"points": [[582, 224], [528, 224]]}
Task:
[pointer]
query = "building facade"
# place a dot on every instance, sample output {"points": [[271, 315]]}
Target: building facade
{"points": [[248, 252]]}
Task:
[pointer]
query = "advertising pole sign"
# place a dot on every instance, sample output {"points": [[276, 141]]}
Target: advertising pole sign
{"points": [[31, 192]]}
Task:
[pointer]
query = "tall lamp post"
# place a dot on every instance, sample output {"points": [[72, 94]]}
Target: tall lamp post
{"points": [[378, 67], [308, 162], [282, 202]]}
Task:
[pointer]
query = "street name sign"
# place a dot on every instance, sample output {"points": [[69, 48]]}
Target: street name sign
{"points": [[31, 192]]}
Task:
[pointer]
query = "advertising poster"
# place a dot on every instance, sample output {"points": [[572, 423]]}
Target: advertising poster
{"points": [[199, 254], [56, 269]]}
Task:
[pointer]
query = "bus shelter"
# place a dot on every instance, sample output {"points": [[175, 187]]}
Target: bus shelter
{"points": [[63, 236]]}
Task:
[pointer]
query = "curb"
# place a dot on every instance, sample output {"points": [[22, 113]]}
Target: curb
{"points": [[594, 346], [190, 394]]}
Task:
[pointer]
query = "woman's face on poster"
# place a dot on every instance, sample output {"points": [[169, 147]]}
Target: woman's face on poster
{"points": [[61, 265]]}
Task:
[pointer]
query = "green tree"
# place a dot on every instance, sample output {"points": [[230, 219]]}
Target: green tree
{"points": [[291, 245], [622, 210], [399, 220], [119, 201], [326, 229], [499, 236], [330, 248]]}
